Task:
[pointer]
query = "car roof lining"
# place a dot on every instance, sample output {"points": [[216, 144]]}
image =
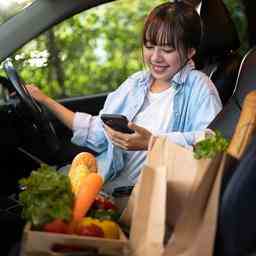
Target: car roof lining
{"points": [[42, 13]]}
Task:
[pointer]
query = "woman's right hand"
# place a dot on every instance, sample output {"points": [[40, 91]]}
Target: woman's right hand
{"points": [[36, 93]]}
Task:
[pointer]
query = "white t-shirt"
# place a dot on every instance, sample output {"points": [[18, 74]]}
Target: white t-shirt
{"points": [[154, 116]]}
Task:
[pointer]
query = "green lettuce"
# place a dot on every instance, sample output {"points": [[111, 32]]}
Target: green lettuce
{"points": [[47, 195], [211, 146]]}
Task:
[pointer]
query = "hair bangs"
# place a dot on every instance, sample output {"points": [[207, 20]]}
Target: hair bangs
{"points": [[159, 32]]}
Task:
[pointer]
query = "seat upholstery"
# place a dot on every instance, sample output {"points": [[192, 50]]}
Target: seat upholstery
{"points": [[220, 35], [227, 119], [246, 77], [224, 75], [217, 55], [236, 226]]}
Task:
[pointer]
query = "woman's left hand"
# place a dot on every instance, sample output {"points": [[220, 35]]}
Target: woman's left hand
{"points": [[136, 141]]}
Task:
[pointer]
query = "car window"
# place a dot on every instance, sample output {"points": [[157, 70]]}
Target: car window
{"points": [[9, 8], [92, 52]]}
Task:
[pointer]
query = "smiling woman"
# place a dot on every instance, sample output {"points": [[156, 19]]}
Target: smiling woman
{"points": [[72, 50]]}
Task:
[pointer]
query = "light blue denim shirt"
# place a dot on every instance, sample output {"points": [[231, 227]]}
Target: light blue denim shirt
{"points": [[196, 103]]}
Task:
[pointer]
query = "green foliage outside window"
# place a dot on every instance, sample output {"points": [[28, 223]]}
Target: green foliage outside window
{"points": [[94, 51]]}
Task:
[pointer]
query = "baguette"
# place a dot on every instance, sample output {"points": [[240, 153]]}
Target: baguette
{"points": [[245, 128], [82, 165]]}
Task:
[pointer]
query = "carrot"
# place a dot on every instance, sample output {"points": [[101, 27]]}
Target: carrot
{"points": [[89, 189]]}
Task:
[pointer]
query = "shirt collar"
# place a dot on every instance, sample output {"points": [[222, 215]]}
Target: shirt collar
{"points": [[181, 76], [178, 79]]}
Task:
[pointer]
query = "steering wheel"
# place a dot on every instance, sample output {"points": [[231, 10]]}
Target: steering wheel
{"points": [[39, 116]]}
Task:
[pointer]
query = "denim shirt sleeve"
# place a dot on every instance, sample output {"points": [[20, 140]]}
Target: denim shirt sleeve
{"points": [[88, 130], [204, 104]]}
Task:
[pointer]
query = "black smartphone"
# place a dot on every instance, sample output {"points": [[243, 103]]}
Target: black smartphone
{"points": [[117, 122]]}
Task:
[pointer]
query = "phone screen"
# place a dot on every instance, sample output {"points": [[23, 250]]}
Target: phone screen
{"points": [[117, 122]]}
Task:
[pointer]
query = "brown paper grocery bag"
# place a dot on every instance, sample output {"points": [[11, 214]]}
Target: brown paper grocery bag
{"points": [[194, 231], [151, 194], [191, 200]]}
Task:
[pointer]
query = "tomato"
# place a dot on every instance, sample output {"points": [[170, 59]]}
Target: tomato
{"points": [[101, 202], [56, 226], [90, 230], [95, 227]]}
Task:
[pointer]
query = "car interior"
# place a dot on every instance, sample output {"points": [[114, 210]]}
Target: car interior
{"points": [[20, 136], [218, 56], [220, 59], [246, 80]]}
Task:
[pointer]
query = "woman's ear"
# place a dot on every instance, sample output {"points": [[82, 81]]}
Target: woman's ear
{"points": [[191, 53]]}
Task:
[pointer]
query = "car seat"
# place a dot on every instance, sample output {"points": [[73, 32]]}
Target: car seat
{"points": [[227, 119], [218, 55], [232, 191]]}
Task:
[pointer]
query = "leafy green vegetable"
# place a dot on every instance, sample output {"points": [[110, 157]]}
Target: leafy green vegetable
{"points": [[47, 196], [209, 147], [104, 214]]}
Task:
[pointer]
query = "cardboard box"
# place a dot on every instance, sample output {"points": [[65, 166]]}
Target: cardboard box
{"points": [[39, 243]]}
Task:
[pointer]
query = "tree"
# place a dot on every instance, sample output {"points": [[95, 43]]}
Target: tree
{"points": [[92, 52]]}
